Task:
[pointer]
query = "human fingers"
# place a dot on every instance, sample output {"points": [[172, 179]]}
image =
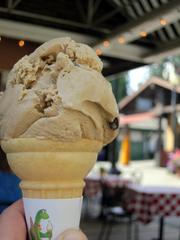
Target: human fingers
{"points": [[12, 223], [72, 234]]}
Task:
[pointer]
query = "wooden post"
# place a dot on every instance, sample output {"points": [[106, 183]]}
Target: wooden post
{"points": [[112, 150], [173, 121], [160, 103], [159, 143]]}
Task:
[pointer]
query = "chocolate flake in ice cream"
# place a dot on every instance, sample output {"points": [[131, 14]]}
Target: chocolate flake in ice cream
{"points": [[58, 92]]}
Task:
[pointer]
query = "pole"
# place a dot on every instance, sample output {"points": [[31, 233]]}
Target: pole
{"points": [[113, 145], [174, 123], [113, 158], [160, 100], [159, 143], [161, 228]]}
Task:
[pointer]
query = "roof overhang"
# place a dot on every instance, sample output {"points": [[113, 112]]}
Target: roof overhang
{"points": [[92, 22]]}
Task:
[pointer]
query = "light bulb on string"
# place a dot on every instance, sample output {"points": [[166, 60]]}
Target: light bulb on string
{"points": [[21, 43], [143, 34], [121, 40], [163, 22], [98, 51], [106, 43]]}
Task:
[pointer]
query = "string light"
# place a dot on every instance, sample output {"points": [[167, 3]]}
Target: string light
{"points": [[163, 22], [106, 43], [143, 34], [98, 52], [21, 43], [0, 39], [121, 40]]}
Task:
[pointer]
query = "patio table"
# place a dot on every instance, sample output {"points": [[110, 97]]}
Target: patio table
{"points": [[93, 183], [94, 192], [147, 202]]}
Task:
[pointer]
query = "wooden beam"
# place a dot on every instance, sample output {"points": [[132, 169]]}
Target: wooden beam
{"points": [[37, 33], [126, 51], [131, 31], [166, 49], [169, 108], [149, 22], [40, 34], [51, 19]]}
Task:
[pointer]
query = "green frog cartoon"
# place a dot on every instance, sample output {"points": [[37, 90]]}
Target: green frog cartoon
{"points": [[36, 229]]}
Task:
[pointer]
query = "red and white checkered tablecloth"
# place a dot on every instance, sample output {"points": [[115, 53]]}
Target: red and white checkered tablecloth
{"points": [[93, 184], [148, 202], [92, 187]]}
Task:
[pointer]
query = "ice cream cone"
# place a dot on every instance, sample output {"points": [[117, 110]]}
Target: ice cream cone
{"points": [[56, 92], [52, 174]]}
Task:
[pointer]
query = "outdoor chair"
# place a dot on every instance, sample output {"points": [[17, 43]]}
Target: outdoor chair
{"points": [[113, 213]]}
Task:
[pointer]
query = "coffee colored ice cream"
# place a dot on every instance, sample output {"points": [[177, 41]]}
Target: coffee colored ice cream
{"points": [[59, 93]]}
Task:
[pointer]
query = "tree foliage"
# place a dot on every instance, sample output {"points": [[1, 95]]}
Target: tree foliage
{"points": [[161, 69], [120, 86]]}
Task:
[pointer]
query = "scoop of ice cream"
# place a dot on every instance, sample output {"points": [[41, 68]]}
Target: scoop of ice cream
{"points": [[58, 92]]}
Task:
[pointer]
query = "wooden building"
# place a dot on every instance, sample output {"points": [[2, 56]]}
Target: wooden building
{"points": [[159, 99]]}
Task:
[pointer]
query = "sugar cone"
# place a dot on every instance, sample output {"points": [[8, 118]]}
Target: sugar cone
{"points": [[52, 174], [51, 169]]}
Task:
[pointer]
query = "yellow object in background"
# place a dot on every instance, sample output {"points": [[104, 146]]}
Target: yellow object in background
{"points": [[124, 156], [169, 144]]}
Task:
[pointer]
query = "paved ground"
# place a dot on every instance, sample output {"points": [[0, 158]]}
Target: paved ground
{"points": [[146, 232]]}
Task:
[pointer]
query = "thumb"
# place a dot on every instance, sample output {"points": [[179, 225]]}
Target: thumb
{"points": [[72, 234]]}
